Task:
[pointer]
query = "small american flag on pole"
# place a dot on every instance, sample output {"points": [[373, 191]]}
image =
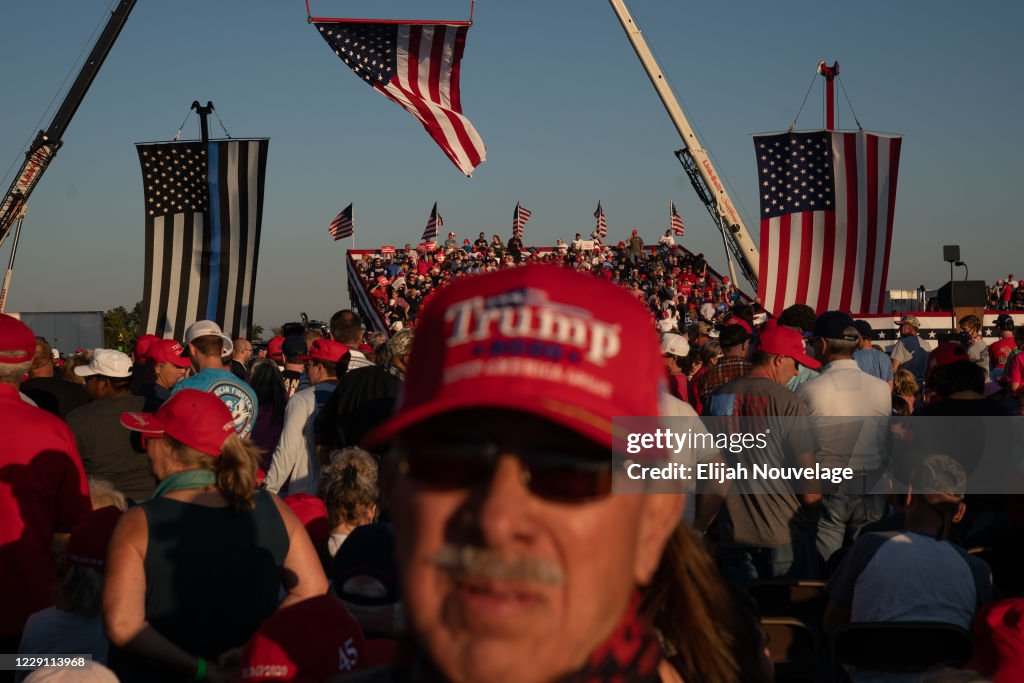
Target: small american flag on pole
{"points": [[676, 221], [342, 226], [519, 218], [433, 223], [416, 65], [602, 224], [827, 204]]}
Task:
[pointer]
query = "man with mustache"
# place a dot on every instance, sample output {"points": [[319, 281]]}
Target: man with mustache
{"points": [[518, 561]]}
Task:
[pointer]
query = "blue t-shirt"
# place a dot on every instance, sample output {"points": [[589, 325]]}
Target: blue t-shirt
{"points": [[874, 362], [236, 394]]}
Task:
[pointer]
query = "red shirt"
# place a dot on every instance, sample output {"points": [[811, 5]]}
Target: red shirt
{"points": [[999, 351], [43, 490], [679, 386], [1015, 373]]}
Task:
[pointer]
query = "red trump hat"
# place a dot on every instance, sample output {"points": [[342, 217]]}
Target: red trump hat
{"points": [[785, 341], [309, 642], [17, 340], [327, 350], [167, 351], [195, 418], [544, 340]]}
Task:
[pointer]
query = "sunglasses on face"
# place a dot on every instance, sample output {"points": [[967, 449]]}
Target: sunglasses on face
{"points": [[146, 438], [550, 474]]}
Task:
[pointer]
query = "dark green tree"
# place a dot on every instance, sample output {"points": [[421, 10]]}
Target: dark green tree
{"points": [[121, 327]]}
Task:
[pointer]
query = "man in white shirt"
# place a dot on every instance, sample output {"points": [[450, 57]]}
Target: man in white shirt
{"points": [[843, 391], [347, 329], [294, 466]]}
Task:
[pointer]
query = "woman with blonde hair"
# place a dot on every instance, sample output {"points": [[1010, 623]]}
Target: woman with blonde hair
{"points": [[350, 490], [193, 571], [906, 387]]}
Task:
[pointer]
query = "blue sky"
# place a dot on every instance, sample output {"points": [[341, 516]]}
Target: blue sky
{"points": [[557, 94]]}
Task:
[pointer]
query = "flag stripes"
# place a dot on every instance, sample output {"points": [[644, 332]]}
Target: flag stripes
{"points": [[519, 218], [433, 223], [676, 221], [602, 224], [342, 226], [417, 66]]}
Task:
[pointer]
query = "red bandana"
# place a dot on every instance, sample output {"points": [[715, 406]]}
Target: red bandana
{"points": [[631, 653]]}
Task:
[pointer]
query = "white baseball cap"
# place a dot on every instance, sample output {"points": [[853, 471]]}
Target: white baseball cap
{"points": [[107, 362], [674, 344], [208, 328]]}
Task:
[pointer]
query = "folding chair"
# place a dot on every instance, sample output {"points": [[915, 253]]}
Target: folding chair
{"points": [[795, 648]]}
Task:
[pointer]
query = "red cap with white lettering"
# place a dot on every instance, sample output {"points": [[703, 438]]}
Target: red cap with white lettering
{"points": [[313, 640], [548, 341]]}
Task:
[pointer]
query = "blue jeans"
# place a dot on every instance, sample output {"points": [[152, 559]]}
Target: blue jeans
{"points": [[845, 511], [742, 566]]}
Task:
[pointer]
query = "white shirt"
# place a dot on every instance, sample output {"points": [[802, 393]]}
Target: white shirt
{"points": [[670, 407], [843, 390], [667, 240], [357, 359], [667, 324], [294, 465]]}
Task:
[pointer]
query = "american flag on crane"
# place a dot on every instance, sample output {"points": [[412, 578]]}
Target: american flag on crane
{"points": [[417, 66], [827, 205]]}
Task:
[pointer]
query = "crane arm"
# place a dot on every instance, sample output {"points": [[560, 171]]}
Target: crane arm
{"points": [[46, 143], [695, 158]]}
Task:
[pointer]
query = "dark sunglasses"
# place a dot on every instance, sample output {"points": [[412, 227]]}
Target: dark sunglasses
{"points": [[550, 474]]}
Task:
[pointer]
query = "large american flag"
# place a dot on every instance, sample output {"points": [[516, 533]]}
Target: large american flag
{"points": [[417, 66], [602, 224], [676, 221], [342, 226], [204, 210], [827, 204], [433, 223], [519, 218]]}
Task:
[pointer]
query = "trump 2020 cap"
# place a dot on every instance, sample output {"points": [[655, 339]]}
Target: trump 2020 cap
{"points": [[196, 418], [543, 340]]}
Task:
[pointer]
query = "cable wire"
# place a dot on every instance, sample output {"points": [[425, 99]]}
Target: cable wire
{"points": [[700, 136], [800, 110], [848, 102], [75, 66]]}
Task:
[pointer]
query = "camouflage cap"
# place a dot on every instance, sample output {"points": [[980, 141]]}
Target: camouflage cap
{"points": [[940, 479], [400, 344]]}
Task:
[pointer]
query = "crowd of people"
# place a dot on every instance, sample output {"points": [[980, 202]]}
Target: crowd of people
{"points": [[441, 504], [673, 283], [1006, 295]]}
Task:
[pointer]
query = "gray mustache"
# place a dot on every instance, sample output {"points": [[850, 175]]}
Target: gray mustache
{"points": [[486, 564]]}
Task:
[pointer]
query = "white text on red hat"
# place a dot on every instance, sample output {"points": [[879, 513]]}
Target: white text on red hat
{"points": [[529, 313]]}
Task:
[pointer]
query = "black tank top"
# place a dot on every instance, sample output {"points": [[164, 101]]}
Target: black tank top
{"points": [[213, 575]]}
